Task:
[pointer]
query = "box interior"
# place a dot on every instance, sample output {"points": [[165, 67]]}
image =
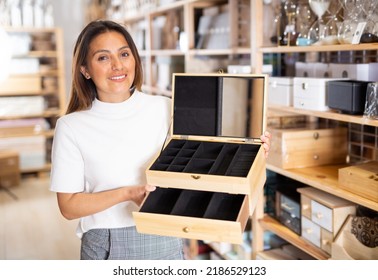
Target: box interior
{"points": [[192, 203], [213, 158], [218, 105]]}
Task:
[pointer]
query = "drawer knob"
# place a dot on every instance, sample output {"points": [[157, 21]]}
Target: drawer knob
{"points": [[319, 215], [185, 229], [308, 230], [305, 206], [316, 157], [196, 177], [316, 135], [304, 86]]}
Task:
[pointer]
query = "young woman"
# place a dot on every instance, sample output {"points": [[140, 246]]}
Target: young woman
{"points": [[102, 147]]}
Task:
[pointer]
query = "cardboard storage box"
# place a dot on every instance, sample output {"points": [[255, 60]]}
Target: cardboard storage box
{"points": [[360, 179], [210, 173], [323, 215], [307, 145], [9, 168], [311, 93], [280, 91], [22, 84]]}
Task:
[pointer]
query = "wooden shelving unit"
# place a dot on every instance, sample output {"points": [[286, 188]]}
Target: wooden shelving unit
{"points": [[323, 178], [46, 45]]}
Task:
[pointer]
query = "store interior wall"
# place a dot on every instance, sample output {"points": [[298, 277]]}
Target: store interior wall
{"points": [[70, 16]]}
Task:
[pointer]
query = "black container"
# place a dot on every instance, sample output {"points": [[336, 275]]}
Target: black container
{"points": [[348, 96]]}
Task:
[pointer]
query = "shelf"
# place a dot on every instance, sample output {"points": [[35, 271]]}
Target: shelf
{"points": [[155, 90], [231, 51], [47, 133], [167, 53], [319, 48], [333, 115], [324, 178], [268, 223], [47, 114], [45, 168]]}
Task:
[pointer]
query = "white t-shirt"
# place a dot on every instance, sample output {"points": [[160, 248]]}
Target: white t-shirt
{"points": [[106, 147]]}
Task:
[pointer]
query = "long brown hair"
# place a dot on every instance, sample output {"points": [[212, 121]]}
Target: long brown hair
{"points": [[83, 91]]}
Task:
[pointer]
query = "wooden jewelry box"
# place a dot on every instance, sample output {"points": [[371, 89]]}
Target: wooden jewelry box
{"points": [[211, 171]]}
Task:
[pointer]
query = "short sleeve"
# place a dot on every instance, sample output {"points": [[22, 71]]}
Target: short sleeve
{"points": [[67, 168]]}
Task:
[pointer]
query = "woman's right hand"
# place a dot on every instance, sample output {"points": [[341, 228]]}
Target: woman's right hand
{"points": [[137, 194]]}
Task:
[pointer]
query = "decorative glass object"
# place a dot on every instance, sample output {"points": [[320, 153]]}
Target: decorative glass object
{"points": [[319, 7]]}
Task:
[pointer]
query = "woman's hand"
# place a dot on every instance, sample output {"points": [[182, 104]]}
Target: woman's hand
{"points": [[266, 138], [137, 194]]}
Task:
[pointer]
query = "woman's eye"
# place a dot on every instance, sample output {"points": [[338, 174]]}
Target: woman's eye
{"points": [[101, 58], [125, 54]]}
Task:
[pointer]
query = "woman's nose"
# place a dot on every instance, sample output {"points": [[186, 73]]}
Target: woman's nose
{"points": [[116, 64]]}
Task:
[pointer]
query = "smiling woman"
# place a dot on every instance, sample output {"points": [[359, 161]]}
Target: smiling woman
{"points": [[5, 54]]}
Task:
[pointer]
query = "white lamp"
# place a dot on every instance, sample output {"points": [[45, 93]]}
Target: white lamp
{"points": [[5, 54]]}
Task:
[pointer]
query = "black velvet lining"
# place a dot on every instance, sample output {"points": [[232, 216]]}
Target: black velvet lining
{"points": [[192, 203], [197, 106], [214, 158]]}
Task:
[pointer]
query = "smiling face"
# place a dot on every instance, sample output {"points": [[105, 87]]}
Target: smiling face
{"points": [[111, 66]]}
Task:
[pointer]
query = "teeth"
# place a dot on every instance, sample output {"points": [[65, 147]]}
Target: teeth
{"points": [[117, 77]]}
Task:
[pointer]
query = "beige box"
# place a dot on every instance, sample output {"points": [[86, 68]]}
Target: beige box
{"points": [[307, 145], [360, 179], [323, 215], [9, 168], [209, 182], [27, 84]]}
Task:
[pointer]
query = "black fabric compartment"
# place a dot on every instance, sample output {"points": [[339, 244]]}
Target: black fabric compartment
{"points": [[200, 166], [224, 206], [160, 167], [192, 203], [208, 150], [161, 201], [243, 160], [186, 153], [170, 152], [224, 159]]}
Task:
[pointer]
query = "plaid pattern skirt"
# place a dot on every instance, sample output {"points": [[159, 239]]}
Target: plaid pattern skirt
{"points": [[127, 244]]}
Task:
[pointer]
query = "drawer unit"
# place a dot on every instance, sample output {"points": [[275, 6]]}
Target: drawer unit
{"points": [[280, 91], [311, 93], [323, 215], [307, 145], [213, 163]]}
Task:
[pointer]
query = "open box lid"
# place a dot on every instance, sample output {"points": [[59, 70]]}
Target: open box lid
{"points": [[210, 106]]}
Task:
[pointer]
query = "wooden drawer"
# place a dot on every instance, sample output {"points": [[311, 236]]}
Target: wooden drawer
{"points": [[194, 214], [10, 180], [212, 166], [307, 146], [325, 210], [317, 235]]}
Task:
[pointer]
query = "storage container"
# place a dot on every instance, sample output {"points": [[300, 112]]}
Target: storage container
{"points": [[211, 171]]}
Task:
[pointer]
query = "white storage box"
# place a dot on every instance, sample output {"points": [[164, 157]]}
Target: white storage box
{"points": [[21, 106], [362, 72], [24, 66], [31, 149], [312, 69], [280, 91], [311, 93]]}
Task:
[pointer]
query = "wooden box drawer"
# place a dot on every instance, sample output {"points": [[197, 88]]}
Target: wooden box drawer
{"points": [[321, 215], [194, 214], [307, 146], [317, 235], [10, 180], [211, 166], [361, 179]]}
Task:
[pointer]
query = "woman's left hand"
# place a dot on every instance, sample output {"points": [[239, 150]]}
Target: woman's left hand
{"points": [[266, 138]]}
